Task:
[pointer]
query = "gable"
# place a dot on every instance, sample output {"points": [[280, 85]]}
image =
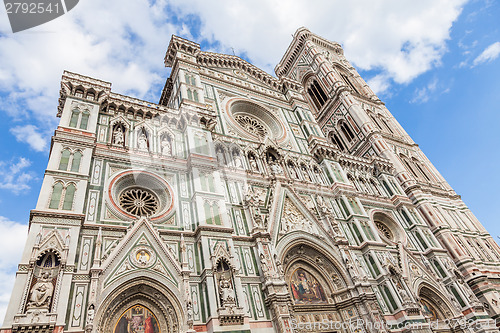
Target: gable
{"points": [[295, 215], [141, 250]]}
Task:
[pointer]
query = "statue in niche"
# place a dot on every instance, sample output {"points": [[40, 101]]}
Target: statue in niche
{"points": [[263, 264], [220, 156], [41, 293], [279, 266], [404, 294], [226, 291], [276, 168], [166, 146], [253, 163], [142, 142], [306, 174], [189, 308], [318, 175], [291, 170], [90, 314], [237, 159], [118, 137]]}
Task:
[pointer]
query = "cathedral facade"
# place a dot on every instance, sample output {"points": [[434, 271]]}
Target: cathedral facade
{"points": [[243, 202]]}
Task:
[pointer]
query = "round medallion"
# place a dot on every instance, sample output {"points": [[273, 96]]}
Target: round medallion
{"points": [[143, 256]]}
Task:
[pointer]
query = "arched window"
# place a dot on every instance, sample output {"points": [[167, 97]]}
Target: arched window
{"points": [[409, 166], [75, 114], [79, 119], [68, 158], [422, 169], [346, 130], [56, 196], [195, 96], [388, 188], [348, 82], [68, 197], [79, 92], [386, 125], [375, 187], [190, 94], [84, 120], [317, 94], [337, 141], [375, 120], [212, 215], [63, 163], [353, 181], [75, 164]]}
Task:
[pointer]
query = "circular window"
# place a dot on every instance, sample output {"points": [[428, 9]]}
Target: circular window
{"points": [[384, 230], [135, 193], [139, 202], [251, 125], [253, 119], [389, 230]]}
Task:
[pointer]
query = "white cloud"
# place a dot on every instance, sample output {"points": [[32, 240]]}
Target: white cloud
{"points": [[124, 42], [379, 83], [14, 177], [401, 39], [423, 94], [119, 41], [13, 238], [489, 54], [30, 134]]}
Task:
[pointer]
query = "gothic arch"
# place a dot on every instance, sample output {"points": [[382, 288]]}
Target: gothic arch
{"points": [[314, 280], [148, 292], [166, 134], [336, 139], [432, 299], [221, 152], [124, 125], [293, 241], [141, 130], [316, 92]]}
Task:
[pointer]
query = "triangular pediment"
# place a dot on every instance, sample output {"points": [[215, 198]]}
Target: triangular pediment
{"points": [[294, 214], [142, 249], [53, 240]]}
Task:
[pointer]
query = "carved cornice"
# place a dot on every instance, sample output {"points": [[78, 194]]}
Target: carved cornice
{"points": [[301, 36], [179, 44], [61, 218], [210, 59]]}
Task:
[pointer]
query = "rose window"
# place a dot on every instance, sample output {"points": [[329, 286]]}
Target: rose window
{"points": [[384, 230], [139, 202], [254, 121], [251, 125]]}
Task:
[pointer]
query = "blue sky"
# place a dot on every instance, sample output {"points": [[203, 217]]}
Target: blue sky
{"points": [[434, 63]]}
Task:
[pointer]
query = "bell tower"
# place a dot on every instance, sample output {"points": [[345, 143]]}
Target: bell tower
{"points": [[357, 123]]}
